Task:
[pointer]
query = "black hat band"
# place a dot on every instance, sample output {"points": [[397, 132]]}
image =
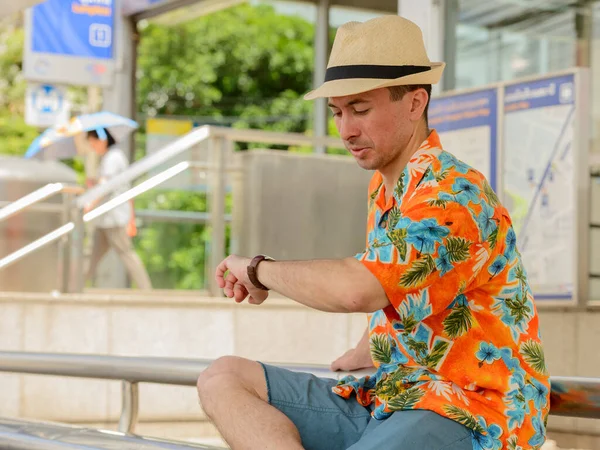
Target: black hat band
{"points": [[372, 71]]}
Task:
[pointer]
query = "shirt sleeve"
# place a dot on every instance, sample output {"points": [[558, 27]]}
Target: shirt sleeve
{"points": [[427, 255]]}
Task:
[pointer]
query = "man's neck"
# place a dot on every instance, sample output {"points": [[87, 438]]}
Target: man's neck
{"points": [[391, 172]]}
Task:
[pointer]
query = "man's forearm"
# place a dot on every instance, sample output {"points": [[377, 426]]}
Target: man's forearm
{"points": [[342, 285]]}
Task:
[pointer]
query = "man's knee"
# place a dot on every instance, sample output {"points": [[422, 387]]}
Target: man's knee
{"points": [[231, 372]]}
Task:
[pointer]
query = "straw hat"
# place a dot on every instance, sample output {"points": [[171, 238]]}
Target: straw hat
{"points": [[381, 52]]}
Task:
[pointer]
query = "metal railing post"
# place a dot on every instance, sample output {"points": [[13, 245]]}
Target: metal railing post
{"points": [[77, 263], [64, 246], [216, 203], [236, 181], [129, 407]]}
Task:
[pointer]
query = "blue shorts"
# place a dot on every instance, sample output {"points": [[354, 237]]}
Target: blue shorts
{"points": [[329, 422]]}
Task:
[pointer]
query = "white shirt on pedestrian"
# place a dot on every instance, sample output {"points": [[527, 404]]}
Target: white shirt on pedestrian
{"points": [[113, 163]]}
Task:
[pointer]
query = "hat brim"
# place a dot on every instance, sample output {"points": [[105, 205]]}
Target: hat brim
{"points": [[351, 86]]}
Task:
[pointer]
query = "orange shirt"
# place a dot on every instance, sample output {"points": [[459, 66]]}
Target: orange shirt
{"points": [[460, 336]]}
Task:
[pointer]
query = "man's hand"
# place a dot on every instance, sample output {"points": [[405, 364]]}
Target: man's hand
{"points": [[352, 360], [232, 277], [357, 358]]}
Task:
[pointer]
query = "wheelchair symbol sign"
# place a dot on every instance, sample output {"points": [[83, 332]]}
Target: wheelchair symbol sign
{"points": [[46, 105], [47, 99]]}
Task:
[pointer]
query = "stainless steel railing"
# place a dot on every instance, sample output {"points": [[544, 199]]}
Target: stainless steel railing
{"points": [[93, 214], [37, 196], [570, 396], [129, 370]]}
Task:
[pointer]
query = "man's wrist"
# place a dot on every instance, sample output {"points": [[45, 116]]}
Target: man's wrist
{"points": [[253, 271]]}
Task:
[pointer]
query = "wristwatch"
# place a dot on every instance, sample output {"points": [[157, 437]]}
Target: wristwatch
{"points": [[253, 269]]}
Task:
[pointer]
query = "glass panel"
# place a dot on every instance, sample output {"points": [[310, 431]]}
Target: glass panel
{"points": [[174, 236], [493, 45]]}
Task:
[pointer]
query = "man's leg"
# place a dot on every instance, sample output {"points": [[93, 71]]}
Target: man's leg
{"points": [[300, 406], [233, 394], [415, 429], [121, 242]]}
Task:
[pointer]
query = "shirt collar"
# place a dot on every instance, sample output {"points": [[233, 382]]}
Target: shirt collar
{"points": [[417, 166]]}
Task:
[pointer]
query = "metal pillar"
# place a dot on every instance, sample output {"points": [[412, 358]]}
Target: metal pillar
{"points": [[219, 148], [595, 84], [120, 99], [321, 58], [437, 19], [583, 28]]}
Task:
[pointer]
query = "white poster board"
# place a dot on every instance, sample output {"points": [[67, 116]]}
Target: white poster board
{"points": [[540, 178], [530, 138]]}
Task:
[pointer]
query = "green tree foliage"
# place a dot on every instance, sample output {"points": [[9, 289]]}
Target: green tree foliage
{"points": [[245, 62], [16, 135]]}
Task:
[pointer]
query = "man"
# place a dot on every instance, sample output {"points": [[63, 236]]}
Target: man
{"points": [[112, 229], [452, 327]]}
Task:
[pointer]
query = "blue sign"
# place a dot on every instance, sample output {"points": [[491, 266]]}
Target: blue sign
{"points": [[463, 111], [80, 28], [540, 93]]}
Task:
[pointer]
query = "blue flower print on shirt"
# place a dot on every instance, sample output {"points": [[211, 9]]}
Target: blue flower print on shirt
{"points": [[448, 160], [425, 234], [442, 262], [497, 266], [486, 221], [537, 392], [488, 441], [540, 434], [466, 192], [517, 410], [487, 353], [511, 245]]}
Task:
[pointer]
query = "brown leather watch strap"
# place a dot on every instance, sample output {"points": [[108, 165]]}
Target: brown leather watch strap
{"points": [[253, 269]]}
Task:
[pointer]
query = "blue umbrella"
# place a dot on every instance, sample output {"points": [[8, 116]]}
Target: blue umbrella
{"points": [[59, 142]]}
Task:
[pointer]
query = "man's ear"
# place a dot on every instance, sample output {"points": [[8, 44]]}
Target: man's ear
{"points": [[420, 98]]}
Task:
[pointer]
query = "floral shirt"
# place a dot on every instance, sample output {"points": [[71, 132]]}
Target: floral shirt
{"points": [[460, 336]]}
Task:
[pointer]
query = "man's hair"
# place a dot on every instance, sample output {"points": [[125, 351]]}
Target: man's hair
{"points": [[110, 140], [397, 93]]}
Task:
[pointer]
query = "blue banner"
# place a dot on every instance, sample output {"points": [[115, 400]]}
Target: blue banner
{"points": [[472, 110], [540, 93], [80, 28]]}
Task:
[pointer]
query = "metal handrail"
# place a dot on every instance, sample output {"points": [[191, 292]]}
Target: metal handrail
{"points": [[37, 196], [191, 139], [21, 434], [95, 213], [570, 396]]}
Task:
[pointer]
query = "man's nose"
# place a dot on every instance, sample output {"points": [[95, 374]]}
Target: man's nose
{"points": [[348, 128]]}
